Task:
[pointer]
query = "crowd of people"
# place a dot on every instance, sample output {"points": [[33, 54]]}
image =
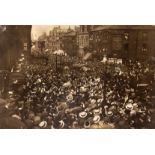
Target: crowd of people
{"points": [[95, 95]]}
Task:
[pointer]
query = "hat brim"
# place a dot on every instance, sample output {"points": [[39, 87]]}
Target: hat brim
{"points": [[96, 119]]}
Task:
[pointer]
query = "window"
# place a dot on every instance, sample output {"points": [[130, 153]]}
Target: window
{"points": [[91, 37], [85, 28], [106, 35], [144, 35], [104, 49], [82, 28]]}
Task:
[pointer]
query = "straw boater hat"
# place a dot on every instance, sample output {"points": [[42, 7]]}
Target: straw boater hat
{"points": [[10, 92], [69, 97], [97, 111], [62, 124], [82, 114], [83, 89], [113, 103], [43, 124], [129, 106], [96, 118], [16, 116], [92, 101], [113, 107], [130, 101], [99, 100], [75, 124], [135, 106], [109, 113]]}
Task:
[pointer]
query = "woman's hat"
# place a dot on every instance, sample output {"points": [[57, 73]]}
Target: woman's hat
{"points": [[93, 101]]}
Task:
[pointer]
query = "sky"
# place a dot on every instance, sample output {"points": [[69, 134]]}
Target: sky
{"points": [[38, 30]]}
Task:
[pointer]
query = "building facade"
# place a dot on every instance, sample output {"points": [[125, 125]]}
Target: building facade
{"points": [[55, 38], [83, 36], [69, 43], [14, 40], [134, 42]]}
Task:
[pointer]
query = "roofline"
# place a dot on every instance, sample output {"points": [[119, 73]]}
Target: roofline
{"points": [[124, 27]]}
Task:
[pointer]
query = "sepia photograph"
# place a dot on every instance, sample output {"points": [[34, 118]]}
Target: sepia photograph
{"points": [[77, 76]]}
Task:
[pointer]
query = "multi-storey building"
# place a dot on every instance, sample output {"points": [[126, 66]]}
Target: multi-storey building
{"points": [[14, 40], [130, 42], [55, 37], [69, 42], [83, 36]]}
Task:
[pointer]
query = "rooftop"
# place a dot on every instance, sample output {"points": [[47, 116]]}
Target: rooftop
{"points": [[70, 34]]}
